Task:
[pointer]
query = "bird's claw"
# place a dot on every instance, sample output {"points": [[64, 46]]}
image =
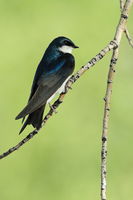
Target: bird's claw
{"points": [[52, 108], [69, 87]]}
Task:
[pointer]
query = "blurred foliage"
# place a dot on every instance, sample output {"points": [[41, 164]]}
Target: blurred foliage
{"points": [[63, 161]]}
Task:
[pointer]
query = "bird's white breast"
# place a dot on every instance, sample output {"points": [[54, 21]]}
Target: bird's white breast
{"points": [[59, 91]]}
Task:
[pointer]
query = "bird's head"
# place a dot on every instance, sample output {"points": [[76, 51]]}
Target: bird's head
{"points": [[64, 44]]}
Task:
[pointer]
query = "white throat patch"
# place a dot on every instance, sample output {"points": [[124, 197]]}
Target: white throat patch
{"points": [[66, 49]]}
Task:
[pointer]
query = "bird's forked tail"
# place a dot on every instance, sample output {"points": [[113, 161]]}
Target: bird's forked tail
{"points": [[35, 118]]}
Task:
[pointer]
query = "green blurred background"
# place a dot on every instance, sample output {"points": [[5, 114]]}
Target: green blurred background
{"points": [[63, 161]]}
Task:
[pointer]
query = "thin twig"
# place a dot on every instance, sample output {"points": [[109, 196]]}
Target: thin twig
{"points": [[121, 4], [130, 41], [73, 79], [118, 35]]}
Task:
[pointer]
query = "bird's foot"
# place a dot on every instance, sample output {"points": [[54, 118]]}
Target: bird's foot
{"points": [[69, 87], [52, 108]]}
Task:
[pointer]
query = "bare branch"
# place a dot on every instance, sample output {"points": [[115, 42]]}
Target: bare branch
{"points": [[118, 35], [107, 100], [130, 41], [73, 79]]}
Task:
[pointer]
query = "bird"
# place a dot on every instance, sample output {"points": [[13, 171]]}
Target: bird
{"points": [[52, 73]]}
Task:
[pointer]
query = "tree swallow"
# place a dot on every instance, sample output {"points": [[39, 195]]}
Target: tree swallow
{"points": [[53, 71]]}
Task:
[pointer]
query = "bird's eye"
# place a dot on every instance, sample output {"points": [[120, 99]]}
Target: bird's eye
{"points": [[67, 43]]}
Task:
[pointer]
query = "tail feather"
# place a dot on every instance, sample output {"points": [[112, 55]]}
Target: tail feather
{"points": [[34, 118]]}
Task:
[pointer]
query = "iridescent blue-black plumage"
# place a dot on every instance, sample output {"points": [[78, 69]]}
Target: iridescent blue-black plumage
{"points": [[54, 68]]}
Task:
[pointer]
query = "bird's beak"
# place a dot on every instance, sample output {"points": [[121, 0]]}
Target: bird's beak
{"points": [[75, 46]]}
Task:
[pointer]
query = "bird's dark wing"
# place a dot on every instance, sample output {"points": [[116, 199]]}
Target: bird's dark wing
{"points": [[49, 83]]}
